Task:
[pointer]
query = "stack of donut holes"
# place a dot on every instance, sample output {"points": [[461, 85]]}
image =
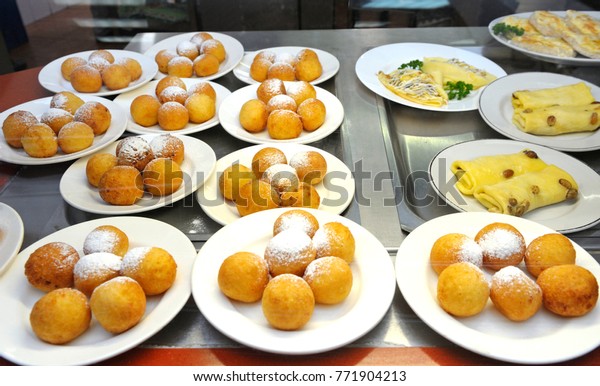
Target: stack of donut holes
{"points": [[104, 278], [173, 105], [137, 166], [101, 68], [303, 264], [524, 277], [69, 125], [284, 109], [305, 65], [273, 181], [202, 56]]}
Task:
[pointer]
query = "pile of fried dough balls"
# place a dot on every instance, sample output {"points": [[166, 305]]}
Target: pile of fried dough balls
{"points": [[69, 125], [137, 166], [173, 105], [202, 56], [100, 69], [304, 264], [305, 65], [108, 280], [550, 278]]}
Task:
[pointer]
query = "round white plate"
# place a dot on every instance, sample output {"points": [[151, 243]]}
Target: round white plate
{"points": [[495, 107], [197, 167], [11, 235], [330, 63], [579, 60], [565, 217], [124, 100], [330, 326], [336, 190], [233, 48], [229, 116], [545, 338], [51, 78], [38, 107], [19, 344], [389, 57]]}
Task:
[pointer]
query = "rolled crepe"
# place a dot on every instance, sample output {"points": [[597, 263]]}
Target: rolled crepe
{"points": [[556, 120], [487, 170], [454, 70], [519, 195], [570, 95]]}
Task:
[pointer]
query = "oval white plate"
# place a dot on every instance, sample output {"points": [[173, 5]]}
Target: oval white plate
{"points": [[39, 106], [579, 60], [330, 63], [197, 166], [389, 57], [545, 338], [51, 78], [19, 344], [336, 190], [124, 100], [495, 107], [229, 116], [233, 48], [564, 217], [330, 326], [11, 235]]}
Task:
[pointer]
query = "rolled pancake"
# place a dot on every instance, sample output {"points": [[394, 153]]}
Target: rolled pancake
{"points": [[569, 95], [519, 195], [415, 86], [455, 70], [556, 120]]}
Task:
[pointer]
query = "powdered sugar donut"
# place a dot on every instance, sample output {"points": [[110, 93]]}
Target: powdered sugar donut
{"points": [[290, 251], [454, 248], [282, 178], [514, 294], [296, 219], [153, 268], [330, 279], [108, 239], [94, 269], [502, 245], [310, 166], [134, 151], [334, 239]]}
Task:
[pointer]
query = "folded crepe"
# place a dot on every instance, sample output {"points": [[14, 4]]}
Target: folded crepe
{"points": [[555, 120], [455, 70], [519, 195], [569, 95], [415, 86], [488, 170]]}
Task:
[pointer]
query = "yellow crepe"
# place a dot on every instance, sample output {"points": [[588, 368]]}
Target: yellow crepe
{"points": [[415, 86], [556, 120], [487, 170], [454, 70], [519, 195], [569, 95]]}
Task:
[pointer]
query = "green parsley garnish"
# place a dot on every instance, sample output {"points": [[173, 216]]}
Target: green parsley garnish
{"points": [[458, 90], [416, 64], [507, 30]]}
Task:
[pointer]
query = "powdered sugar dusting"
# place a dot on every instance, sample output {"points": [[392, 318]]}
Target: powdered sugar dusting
{"points": [[96, 264], [501, 243], [512, 276], [320, 266], [133, 148], [288, 246], [295, 220], [133, 259], [471, 252]]}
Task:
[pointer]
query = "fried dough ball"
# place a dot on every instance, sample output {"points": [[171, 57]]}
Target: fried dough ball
{"points": [[330, 279], [96, 115], [168, 146], [288, 302], [188, 49], [173, 94], [116, 76], [203, 88], [181, 67], [86, 79], [60, 316], [306, 54], [281, 70], [162, 59], [15, 125], [514, 294], [162, 176], [334, 239], [259, 69], [256, 196], [168, 81], [289, 251], [502, 245], [265, 158], [301, 91], [305, 197], [548, 250], [454, 248], [104, 54], [282, 177], [134, 151], [39, 141], [243, 276], [284, 124], [121, 185], [269, 88], [308, 69], [56, 118], [200, 37], [206, 64], [118, 304], [232, 179], [254, 116], [285, 57], [281, 102], [462, 289], [214, 47], [66, 100], [267, 55], [133, 66], [69, 64], [173, 116], [144, 110], [310, 166], [94, 269], [312, 112], [51, 265], [97, 165], [296, 219], [568, 289], [201, 107], [107, 239], [153, 268], [98, 63], [74, 137]]}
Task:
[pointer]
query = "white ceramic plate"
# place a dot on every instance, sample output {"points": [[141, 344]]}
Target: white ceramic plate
{"points": [[330, 63], [389, 57], [233, 48], [124, 100], [19, 344], [495, 107], [51, 78], [579, 60], [229, 116], [197, 166], [545, 338], [38, 107], [330, 326], [11, 235], [565, 217], [336, 190]]}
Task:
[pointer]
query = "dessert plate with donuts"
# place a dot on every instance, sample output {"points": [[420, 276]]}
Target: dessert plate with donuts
{"points": [[53, 76], [330, 325], [19, 343], [11, 235], [501, 327]]}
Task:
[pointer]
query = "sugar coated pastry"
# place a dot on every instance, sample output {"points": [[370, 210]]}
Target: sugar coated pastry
{"points": [[281, 70], [51, 265], [203, 88], [206, 64], [15, 125], [296, 219], [568, 289], [173, 94], [94, 114], [162, 59], [116, 76], [514, 294], [66, 100], [188, 49], [243, 276], [56, 118], [162, 176], [168, 146], [121, 185], [300, 91], [232, 179], [462, 289], [134, 151], [153, 268], [310, 165], [108, 239], [254, 115], [133, 66], [118, 304], [181, 67], [282, 177], [201, 107], [173, 116], [308, 69], [305, 197], [289, 251], [86, 79], [288, 302], [452, 248], [144, 110], [281, 102], [104, 54], [259, 69], [256, 196], [168, 81], [265, 158], [94, 269], [548, 250], [214, 47], [269, 88], [69, 64], [97, 165], [200, 37], [284, 124], [39, 141], [312, 112], [334, 239], [502, 245], [75, 136], [330, 279], [98, 63]]}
